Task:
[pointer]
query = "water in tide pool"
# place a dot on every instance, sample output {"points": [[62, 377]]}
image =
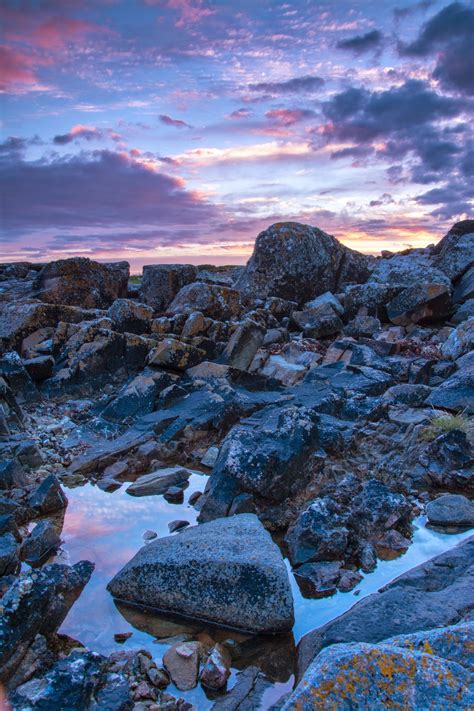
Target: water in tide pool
{"points": [[108, 528]]}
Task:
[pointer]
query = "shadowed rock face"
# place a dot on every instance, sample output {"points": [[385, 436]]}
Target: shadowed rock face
{"points": [[82, 282], [298, 262], [228, 572]]}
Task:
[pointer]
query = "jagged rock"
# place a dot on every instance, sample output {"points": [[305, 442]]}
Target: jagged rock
{"points": [[161, 283], [464, 290], [39, 368], [241, 581], [318, 579], [404, 270], [41, 542], [363, 326], [318, 322], [247, 692], [216, 669], [298, 262], [277, 367], [37, 603], [48, 497], [372, 296], [171, 353], [436, 593], [448, 461], [265, 455], [196, 324], [460, 341], [408, 394], [217, 302], [80, 281], [130, 316], [416, 671], [421, 303], [12, 474], [454, 253], [159, 481], [139, 396], [451, 510], [326, 299], [243, 344], [456, 393], [9, 558], [463, 312], [14, 372]]}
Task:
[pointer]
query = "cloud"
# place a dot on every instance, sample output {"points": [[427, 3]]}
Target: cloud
{"points": [[88, 133], [362, 43], [297, 85], [15, 68], [177, 123], [239, 114], [101, 188], [288, 117], [448, 35], [261, 152], [402, 12]]}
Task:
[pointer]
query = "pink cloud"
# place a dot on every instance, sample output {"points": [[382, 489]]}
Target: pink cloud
{"points": [[177, 123], [190, 11], [54, 34], [239, 114], [15, 68], [288, 117]]}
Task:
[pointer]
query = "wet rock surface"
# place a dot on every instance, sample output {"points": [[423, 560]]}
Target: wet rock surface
{"points": [[328, 397]]}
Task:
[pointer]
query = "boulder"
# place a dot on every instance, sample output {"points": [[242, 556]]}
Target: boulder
{"points": [[39, 368], [80, 281], [48, 497], [372, 296], [227, 572], [326, 299], [41, 542], [451, 510], [456, 393], [454, 253], [436, 593], [464, 290], [460, 341], [464, 312], [9, 558], [416, 671], [182, 664], [297, 262], [158, 482], [176, 355], [161, 283], [139, 396], [318, 322], [404, 269], [130, 316], [421, 303], [220, 303], [243, 344]]}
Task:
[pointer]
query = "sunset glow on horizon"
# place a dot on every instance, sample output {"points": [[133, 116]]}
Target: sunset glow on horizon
{"points": [[177, 130]]}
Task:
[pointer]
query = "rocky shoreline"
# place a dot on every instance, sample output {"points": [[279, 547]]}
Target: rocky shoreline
{"points": [[328, 398]]}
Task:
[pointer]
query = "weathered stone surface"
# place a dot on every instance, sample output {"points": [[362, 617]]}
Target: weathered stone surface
{"points": [[407, 670], [182, 663], [456, 393], [216, 669], [240, 582], [9, 549], [243, 344], [404, 269], [48, 497], [460, 341], [159, 481], [161, 283], [41, 542], [436, 593], [421, 303], [80, 281], [171, 353], [139, 396], [11, 474], [39, 368], [465, 287], [130, 316], [318, 322], [454, 253], [217, 302], [37, 603], [451, 510], [297, 262], [372, 296]]}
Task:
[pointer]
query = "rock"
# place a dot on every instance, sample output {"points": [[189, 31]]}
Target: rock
{"points": [[242, 582], [216, 669], [456, 393], [326, 299], [9, 549], [298, 262], [159, 481], [421, 303], [171, 353], [318, 322], [210, 457], [182, 663], [174, 526], [130, 316], [264, 456], [363, 326], [48, 497], [454, 252], [122, 637], [247, 693], [161, 283], [12, 474], [40, 543], [451, 510], [403, 269], [463, 312], [243, 344], [350, 676], [217, 302], [318, 579], [371, 296], [139, 396], [14, 372], [460, 341], [79, 281], [436, 593], [408, 394], [174, 495], [39, 368], [464, 290], [278, 368], [37, 603]]}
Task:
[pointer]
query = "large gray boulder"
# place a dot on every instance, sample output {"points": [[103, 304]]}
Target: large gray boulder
{"points": [[80, 281], [436, 593], [297, 262], [161, 283], [455, 252], [217, 302], [228, 572], [451, 510], [415, 671]]}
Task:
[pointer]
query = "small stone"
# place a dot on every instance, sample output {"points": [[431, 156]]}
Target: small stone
{"points": [[144, 691], [149, 535], [182, 664], [122, 637], [174, 495], [177, 525], [216, 670], [158, 677]]}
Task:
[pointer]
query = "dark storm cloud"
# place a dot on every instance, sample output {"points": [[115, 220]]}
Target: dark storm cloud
{"points": [[449, 35], [362, 43], [297, 85], [452, 200], [99, 188]]}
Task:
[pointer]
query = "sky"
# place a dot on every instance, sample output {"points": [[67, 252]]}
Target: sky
{"points": [[176, 130]]}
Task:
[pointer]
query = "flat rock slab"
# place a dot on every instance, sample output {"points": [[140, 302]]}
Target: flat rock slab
{"points": [[227, 572], [159, 481], [451, 510]]}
